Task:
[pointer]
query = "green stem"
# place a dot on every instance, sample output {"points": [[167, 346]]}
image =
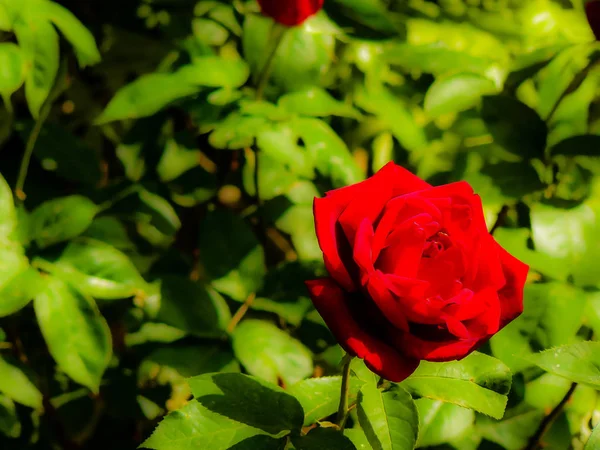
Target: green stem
{"points": [[119, 196], [33, 136], [275, 37], [342, 414]]}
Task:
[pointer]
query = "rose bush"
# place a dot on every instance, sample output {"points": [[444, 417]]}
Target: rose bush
{"points": [[414, 273], [290, 12]]}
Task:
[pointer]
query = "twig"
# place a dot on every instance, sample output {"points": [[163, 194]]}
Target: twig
{"points": [[535, 441], [240, 313]]}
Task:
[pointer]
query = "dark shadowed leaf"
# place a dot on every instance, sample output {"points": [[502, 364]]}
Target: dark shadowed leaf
{"points": [[323, 438], [232, 256], [248, 400], [192, 307]]}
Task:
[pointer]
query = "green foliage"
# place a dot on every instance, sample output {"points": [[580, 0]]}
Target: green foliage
{"points": [[156, 206]]}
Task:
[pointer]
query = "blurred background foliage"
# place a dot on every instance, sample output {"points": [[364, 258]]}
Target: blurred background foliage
{"points": [[143, 210]]}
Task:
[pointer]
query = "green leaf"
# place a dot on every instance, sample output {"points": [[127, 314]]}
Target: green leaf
{"points": [[569, 235], [328, 151], [289, 72], [552, 316], [514, 431], [78, 36], [8, 214], [9, 420], [395, 114], [191, 307], [232, 256], [441, 422], [279, 142], [514, 240], [162, 214], [271, 354], [61, 219], [215, 71], [320, 397], [579, 362], [478, 382], [99, 270], [77, 335], [16, 293], [323, 438], [17, 386], [358, 438], [298, 221], [39, 41], [195, 427], [146, 96], [433, 58], [560, 74], [457, 93], [316, 102], [389, 419], [593, 443], [572, 116], [248, 400], [12, 62]]}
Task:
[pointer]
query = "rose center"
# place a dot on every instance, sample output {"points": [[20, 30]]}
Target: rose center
{"points": [[436, 244]]}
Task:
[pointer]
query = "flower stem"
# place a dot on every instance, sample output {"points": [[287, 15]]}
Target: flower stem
{"points": [[33, 136], [275, 37], [342, 414]]}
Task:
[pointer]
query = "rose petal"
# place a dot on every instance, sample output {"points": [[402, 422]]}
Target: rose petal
{"points": [[331, 302], [362, 249], [438, 351], [511, 294], [290, 13], [389, 306], [326, 212]]}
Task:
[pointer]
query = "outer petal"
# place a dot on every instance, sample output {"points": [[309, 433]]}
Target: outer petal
{"points": [[381, 358], [511, 295]]}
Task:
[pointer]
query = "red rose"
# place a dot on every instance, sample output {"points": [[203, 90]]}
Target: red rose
{"points": [[290, 12], [414, 273], [592, 10]]}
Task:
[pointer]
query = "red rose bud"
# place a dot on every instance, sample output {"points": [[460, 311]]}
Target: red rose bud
{"points": [[290, 12], [413, 272], [592, 10]]}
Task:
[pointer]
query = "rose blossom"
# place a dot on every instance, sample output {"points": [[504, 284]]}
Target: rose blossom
{"points": [[414, 273], [290, 12]]}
